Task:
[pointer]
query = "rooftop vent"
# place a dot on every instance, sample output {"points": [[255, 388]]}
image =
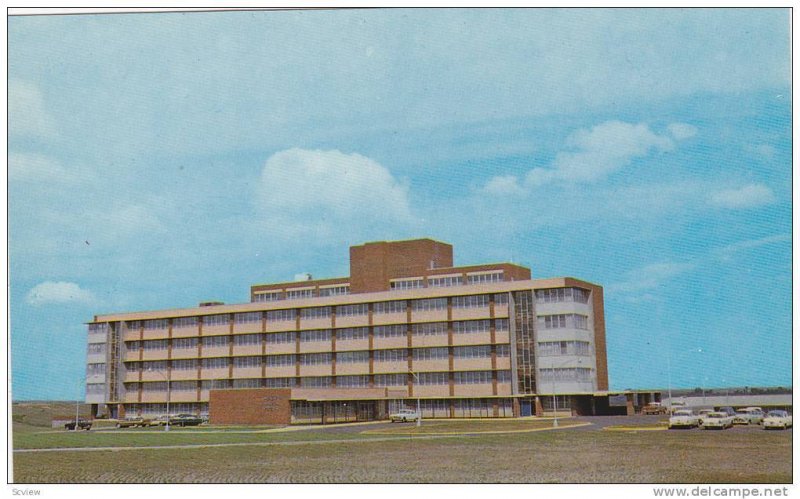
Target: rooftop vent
{"points": [[211, 303], [305, 276]]}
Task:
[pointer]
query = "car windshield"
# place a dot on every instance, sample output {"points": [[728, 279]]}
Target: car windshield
{"points": [[717, 414], [683, 413], [776, 414]]}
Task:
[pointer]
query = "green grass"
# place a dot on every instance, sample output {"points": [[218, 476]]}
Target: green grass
{"points": [[538, 457], [468, 426]]}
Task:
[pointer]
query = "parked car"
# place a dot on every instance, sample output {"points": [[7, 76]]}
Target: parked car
{"points": [[653, 408], [748, 415], [82, 425], [133, 421], [404, 415], [720, 420], [727, 410], [683, 418], [702, 413], [777, 419], [185, 420]]}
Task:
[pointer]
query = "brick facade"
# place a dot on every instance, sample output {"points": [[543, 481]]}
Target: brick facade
{"points": [[250, 406]]}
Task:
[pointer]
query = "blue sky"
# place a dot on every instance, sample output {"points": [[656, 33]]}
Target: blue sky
{"points": [[160, 160]]}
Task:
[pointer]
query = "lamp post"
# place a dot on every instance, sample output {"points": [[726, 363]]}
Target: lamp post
{"points": [[419, 411], [167, 378]]}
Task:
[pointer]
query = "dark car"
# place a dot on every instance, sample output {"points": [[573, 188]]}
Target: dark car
{"points": [[82, 425], [728, 410], [185, 420]]}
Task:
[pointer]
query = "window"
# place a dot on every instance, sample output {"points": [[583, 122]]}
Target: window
{"points": [[346, 357], [216, 363], [352, 333], [391, 379], [281, 338], [268, 296], [279, 382], [468, 327], [501, 324], [351, 310], [155, 344], [394, 355], [182, 322], [101, 328], [184, 343], [131, 346], [315, 335], [444, 282], [429, 329], [280, 360], [96, 388], [281, 315], [215, 341], [312, 359], [247, 383], [214, 384], [247, 318], [352, 381], [560, 295], [548, 348], [406, 284], [503, 350], [566, 374], [316, 382], [473, 377], [100, 348], [247, 339], [216, 320], [183, 386], [292, 294], [504, 376], [485, 278], [430, 353], [247, 362], [473, 352], [473, 301], [134, 324], [184, 364], [429, 304], [315, 312], [560, 321], [156, 324], [501, 299], [335, 291], [155, 366], [158, 386], [389, 307], [433, 379], [390, 331], [95, 369]]}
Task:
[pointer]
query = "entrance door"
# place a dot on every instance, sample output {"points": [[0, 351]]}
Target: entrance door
{"points": [[365, 411], [525, 408]]}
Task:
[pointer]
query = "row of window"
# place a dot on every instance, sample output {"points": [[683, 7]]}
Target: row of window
{"points": [[561, 321], [441, 378], [393, 355], [395, 306], [562, 295], [547, 348], [446, 281], [315, 335], [565, 374]]}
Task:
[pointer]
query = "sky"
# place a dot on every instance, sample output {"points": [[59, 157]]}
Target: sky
{"points": [[159, 160]]}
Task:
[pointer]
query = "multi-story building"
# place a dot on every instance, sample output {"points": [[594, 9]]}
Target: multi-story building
{"points": [[482, 340]]}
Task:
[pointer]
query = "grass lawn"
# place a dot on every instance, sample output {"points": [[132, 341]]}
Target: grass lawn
{"points": [[469, 426]]}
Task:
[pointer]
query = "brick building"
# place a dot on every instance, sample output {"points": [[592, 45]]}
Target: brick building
{"points": [[474, 341]]}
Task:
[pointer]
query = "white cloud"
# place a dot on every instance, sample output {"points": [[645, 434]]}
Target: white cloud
{"points": [[504, 185], [27, 115], [35, 167], [726, 252], [682, 131], [650, 277], [58, 292], [749, 196], [317, 193]]}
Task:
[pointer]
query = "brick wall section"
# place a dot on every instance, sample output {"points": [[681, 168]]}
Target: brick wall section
{"points": [[373, 264], [250, 406]]}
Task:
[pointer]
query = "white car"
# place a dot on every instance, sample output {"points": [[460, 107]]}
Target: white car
{"points": [[777, 419], [683, 418], [748, 415], [719, 420], [702, 413], [404, 415]]}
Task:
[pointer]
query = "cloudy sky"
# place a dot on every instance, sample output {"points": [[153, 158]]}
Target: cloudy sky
{"points": [[160, 160]]}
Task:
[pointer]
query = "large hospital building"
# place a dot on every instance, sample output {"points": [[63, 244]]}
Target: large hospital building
{"points": [[470, 341]]}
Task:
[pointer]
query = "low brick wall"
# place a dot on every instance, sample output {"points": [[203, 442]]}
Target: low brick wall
{"points": [[250, 406]]}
